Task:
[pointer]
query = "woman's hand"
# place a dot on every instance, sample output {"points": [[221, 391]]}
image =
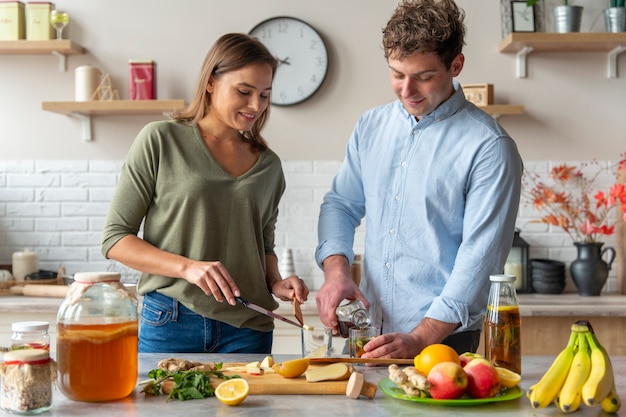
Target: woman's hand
{"points": [[289, 288], [214, 279]]}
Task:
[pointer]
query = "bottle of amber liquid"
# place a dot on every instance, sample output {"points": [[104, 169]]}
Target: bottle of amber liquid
{"points": [[351, 314], [97, 336], [503, 346]]}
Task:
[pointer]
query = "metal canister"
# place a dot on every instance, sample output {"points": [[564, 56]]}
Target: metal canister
{"points": [[24, 263], [87, 80]]}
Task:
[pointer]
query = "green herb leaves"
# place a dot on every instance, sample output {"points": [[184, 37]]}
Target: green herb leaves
{"points": [[188, 385]]}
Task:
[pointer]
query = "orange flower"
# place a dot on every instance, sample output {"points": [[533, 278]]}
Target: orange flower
{"points": [[568, 203], [564, 172]]}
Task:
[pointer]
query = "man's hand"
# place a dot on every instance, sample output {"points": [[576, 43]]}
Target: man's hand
{"points": [[408, 345], [338, 285]]}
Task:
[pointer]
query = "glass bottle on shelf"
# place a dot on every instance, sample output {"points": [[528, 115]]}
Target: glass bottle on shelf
{"points": [[502, 324]]}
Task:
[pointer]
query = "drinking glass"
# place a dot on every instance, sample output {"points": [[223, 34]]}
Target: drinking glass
{"points": [[58, 20], [359, 336], [316, 342]]}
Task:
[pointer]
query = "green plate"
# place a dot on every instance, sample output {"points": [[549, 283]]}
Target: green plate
{"points": [[392, 390]]}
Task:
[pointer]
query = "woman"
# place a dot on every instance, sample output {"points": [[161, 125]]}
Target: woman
{"points": [[206, 187]]}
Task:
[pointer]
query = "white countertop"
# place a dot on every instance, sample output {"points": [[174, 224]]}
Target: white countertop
{"points": [[338, 405]]}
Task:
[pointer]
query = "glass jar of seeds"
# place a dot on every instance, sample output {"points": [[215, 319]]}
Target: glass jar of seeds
{"points": [[26, 378]]}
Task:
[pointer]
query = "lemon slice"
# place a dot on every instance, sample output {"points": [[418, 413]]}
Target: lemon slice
{"points": [[232, 391], [508, 378]]}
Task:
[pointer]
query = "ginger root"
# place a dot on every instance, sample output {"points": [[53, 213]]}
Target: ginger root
{"points": [[174, 365], [412, 382]]}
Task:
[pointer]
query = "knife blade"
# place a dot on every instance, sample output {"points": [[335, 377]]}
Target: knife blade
{"points": [[267, 312]]}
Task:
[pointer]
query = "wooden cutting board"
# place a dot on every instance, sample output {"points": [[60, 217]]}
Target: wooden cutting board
{"points": [[274, 384]]}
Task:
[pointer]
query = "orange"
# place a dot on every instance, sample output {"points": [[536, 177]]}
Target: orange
{"points": [[232, 391], [433, 354]]}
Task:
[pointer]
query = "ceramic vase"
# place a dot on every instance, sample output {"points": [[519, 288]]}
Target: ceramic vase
{"points": [[589, 271]]}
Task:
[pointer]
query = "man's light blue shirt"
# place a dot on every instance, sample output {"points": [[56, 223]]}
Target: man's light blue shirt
{"points": [[439, 197]]}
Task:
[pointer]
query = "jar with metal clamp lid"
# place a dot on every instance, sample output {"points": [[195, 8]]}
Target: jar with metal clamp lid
{"points": [[97, 334]]}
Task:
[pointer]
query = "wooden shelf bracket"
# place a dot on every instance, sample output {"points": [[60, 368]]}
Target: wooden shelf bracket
{"points": [[522, 59], [612, 64]]}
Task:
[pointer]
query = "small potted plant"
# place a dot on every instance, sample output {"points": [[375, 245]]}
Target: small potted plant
{"points": [[615, 16], [567, 18]]}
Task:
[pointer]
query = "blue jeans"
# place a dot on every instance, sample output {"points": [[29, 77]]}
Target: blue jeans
{"points": [[168, 326]]}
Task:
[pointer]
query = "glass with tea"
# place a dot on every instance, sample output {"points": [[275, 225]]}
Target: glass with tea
{"points": [[359, 337]]}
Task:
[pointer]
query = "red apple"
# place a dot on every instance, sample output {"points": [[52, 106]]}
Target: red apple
{"points": [[467, 357], [483, 380], [447, 381]]}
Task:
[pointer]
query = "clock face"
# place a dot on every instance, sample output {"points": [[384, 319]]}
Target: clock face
{"points": [[301, 54]]}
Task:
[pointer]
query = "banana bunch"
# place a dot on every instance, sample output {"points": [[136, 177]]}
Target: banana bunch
{"points": [[581, 373]]}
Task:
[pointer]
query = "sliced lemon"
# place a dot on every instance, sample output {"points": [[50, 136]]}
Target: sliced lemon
{"points": [[232, 391], [508, 378]]}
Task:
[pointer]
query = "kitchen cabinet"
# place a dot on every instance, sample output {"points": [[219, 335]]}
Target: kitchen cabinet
{"points": [[523, 44], [84, 110], [546, 321], [60, 48]]}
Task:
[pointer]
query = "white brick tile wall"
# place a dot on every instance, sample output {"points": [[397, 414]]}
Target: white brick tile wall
{"points": [[58, 209]]}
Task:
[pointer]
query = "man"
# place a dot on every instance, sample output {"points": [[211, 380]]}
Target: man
{"points": [[438, 182]]}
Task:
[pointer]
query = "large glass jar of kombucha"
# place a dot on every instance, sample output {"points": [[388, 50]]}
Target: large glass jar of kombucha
{"points": [[97, 339], [502, 324]]}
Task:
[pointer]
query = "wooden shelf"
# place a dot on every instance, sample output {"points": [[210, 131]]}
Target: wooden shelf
{"points": [[498, 110], [113, 107], [85, 109], [60, 48], [524, 43]]}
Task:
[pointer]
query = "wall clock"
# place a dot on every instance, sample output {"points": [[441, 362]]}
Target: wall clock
{"points": [[302, 58]]}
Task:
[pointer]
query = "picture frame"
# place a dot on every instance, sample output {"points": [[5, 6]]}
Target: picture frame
{"points": [[523, 17]]}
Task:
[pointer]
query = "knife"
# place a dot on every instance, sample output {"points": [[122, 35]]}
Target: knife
{"points": [[266, 311]]}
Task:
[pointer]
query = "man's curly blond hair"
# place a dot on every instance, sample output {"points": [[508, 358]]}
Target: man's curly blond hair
{"points": [[423, 27]]}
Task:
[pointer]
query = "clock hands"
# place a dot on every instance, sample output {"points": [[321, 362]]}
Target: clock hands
{"points": [[283, 61]]}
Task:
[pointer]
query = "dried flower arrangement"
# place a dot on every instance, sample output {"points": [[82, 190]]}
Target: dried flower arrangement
{"points": [[571, 202]]}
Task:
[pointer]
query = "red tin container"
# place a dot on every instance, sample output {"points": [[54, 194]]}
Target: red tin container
{"points": [[141, 80]]}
